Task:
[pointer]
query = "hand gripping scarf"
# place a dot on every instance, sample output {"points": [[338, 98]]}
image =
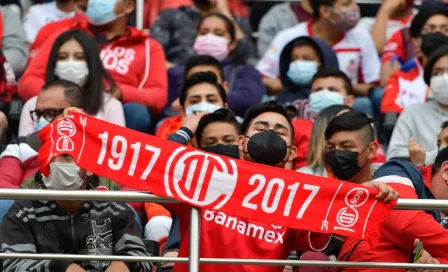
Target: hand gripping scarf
{"points": [[239, 188]]}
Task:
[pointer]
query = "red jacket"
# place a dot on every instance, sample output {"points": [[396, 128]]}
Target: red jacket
{"points": [[404, 88], [302, 137], [51, 28], [399, 231], [13, 173], [135, 61]]}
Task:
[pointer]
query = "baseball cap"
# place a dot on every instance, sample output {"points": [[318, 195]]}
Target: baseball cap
{"points": [[34, 141]]}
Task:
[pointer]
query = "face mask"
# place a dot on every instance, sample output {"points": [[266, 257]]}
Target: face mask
{"points": [[343, 164], [74, 71], [301, 72], [63, 176], [439, 87], [432, 41], [101, 12], [323, 99], [267, 147], [41, 123], [349, 18], [202, 107], [212, 45], [231, 151]]}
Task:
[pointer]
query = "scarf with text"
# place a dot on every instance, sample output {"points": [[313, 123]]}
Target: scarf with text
{"points": [[240, 188]]}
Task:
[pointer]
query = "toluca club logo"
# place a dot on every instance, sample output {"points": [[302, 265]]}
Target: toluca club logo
{"points": [[66, 128], [200, 178], [348, 216]]}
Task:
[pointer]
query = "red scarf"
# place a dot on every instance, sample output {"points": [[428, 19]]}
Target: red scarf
{"points": [[240, 188]]}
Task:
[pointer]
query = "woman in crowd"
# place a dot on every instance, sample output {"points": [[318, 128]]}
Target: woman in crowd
{"points": [[75, 57], [317, 147], [216, 37]]}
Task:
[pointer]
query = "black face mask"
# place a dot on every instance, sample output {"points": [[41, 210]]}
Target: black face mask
{"points": [[432, 41], [267, 147], [343, 164], [231, 151]]}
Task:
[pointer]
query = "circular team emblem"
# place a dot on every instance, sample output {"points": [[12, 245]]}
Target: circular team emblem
{"points": [[356, 197], [200, 178], [66, 128]]}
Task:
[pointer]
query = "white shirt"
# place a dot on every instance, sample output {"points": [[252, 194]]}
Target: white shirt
{"points": [[41, 14], [392, 25], [356, 53]]}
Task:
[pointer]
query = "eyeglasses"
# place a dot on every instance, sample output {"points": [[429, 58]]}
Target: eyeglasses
{"points": [[48, 114]]}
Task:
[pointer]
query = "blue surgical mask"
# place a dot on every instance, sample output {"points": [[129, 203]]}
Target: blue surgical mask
{"points": [[101, 12], [301, 72], [41, 123], [202, 107], [323, 99]]}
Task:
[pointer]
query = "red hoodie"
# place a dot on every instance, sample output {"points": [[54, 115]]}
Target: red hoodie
{"points": [[135, 61]]}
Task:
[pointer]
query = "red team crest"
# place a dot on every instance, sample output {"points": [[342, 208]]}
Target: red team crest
{"points": [[191, 174]]}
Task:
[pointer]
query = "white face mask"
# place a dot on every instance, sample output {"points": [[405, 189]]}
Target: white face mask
{"points": [[63, 176], [202, 107], [439, 87], [74, 71]]}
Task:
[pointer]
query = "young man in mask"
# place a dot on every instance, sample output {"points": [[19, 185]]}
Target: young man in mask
{"points": [[351, 146], [334, 23], [403, 229], [134, 60], [200, 95], [71, 227], [407, 86], [176, 30]]}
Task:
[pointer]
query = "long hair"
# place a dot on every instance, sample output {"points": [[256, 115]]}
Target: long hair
{"points": [[236, 59], [317, 147], [93, 90]]}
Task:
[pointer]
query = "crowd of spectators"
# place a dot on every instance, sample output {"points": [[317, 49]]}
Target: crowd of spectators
{"points": [[353, 98]]}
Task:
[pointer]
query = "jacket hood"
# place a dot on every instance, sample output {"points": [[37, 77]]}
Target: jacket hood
{"points": [[325, 51], [132, 33]]}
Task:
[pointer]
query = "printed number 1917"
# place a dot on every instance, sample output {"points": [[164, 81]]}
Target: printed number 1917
{"points": [[118, 154]]}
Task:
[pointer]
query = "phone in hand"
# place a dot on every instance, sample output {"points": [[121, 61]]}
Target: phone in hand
{"points": [[417, 253]]}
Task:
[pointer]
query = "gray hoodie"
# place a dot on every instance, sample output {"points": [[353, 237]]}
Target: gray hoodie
{"points": [[422, 122]]}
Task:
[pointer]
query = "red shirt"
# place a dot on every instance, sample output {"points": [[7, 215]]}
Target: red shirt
{"points": [[404, 88], [224, 236], [135, 61], [399, 231]]}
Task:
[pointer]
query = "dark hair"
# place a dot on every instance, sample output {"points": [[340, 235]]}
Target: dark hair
{"points": [[73, 93], [433, 58], [440, 159], [260, 108], [444, 125], [203, 60], [316, 4], [93, 95], [306, 41], [222, 115], [199, 78], [336, 73], [351, 121], [236, 58], [424, 14]]}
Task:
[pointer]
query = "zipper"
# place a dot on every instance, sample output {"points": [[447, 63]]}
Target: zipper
{"points": [[72, 223]]}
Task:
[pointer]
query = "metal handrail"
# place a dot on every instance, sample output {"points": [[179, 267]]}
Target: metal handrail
{"points": [[194, 259], [130, 196], [75, 257]]}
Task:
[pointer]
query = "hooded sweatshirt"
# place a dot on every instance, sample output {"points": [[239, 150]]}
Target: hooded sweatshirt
{"points": [[421, 122], [295, 94], [135, 61], [245, 86]]}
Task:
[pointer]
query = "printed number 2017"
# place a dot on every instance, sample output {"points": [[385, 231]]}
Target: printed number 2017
{"points": [[280, 185], [118, 154]]}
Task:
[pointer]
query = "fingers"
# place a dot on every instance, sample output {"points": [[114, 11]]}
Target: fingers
{"points": [[72, 109], [412, 142], [416, 241], [387, 193]]}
